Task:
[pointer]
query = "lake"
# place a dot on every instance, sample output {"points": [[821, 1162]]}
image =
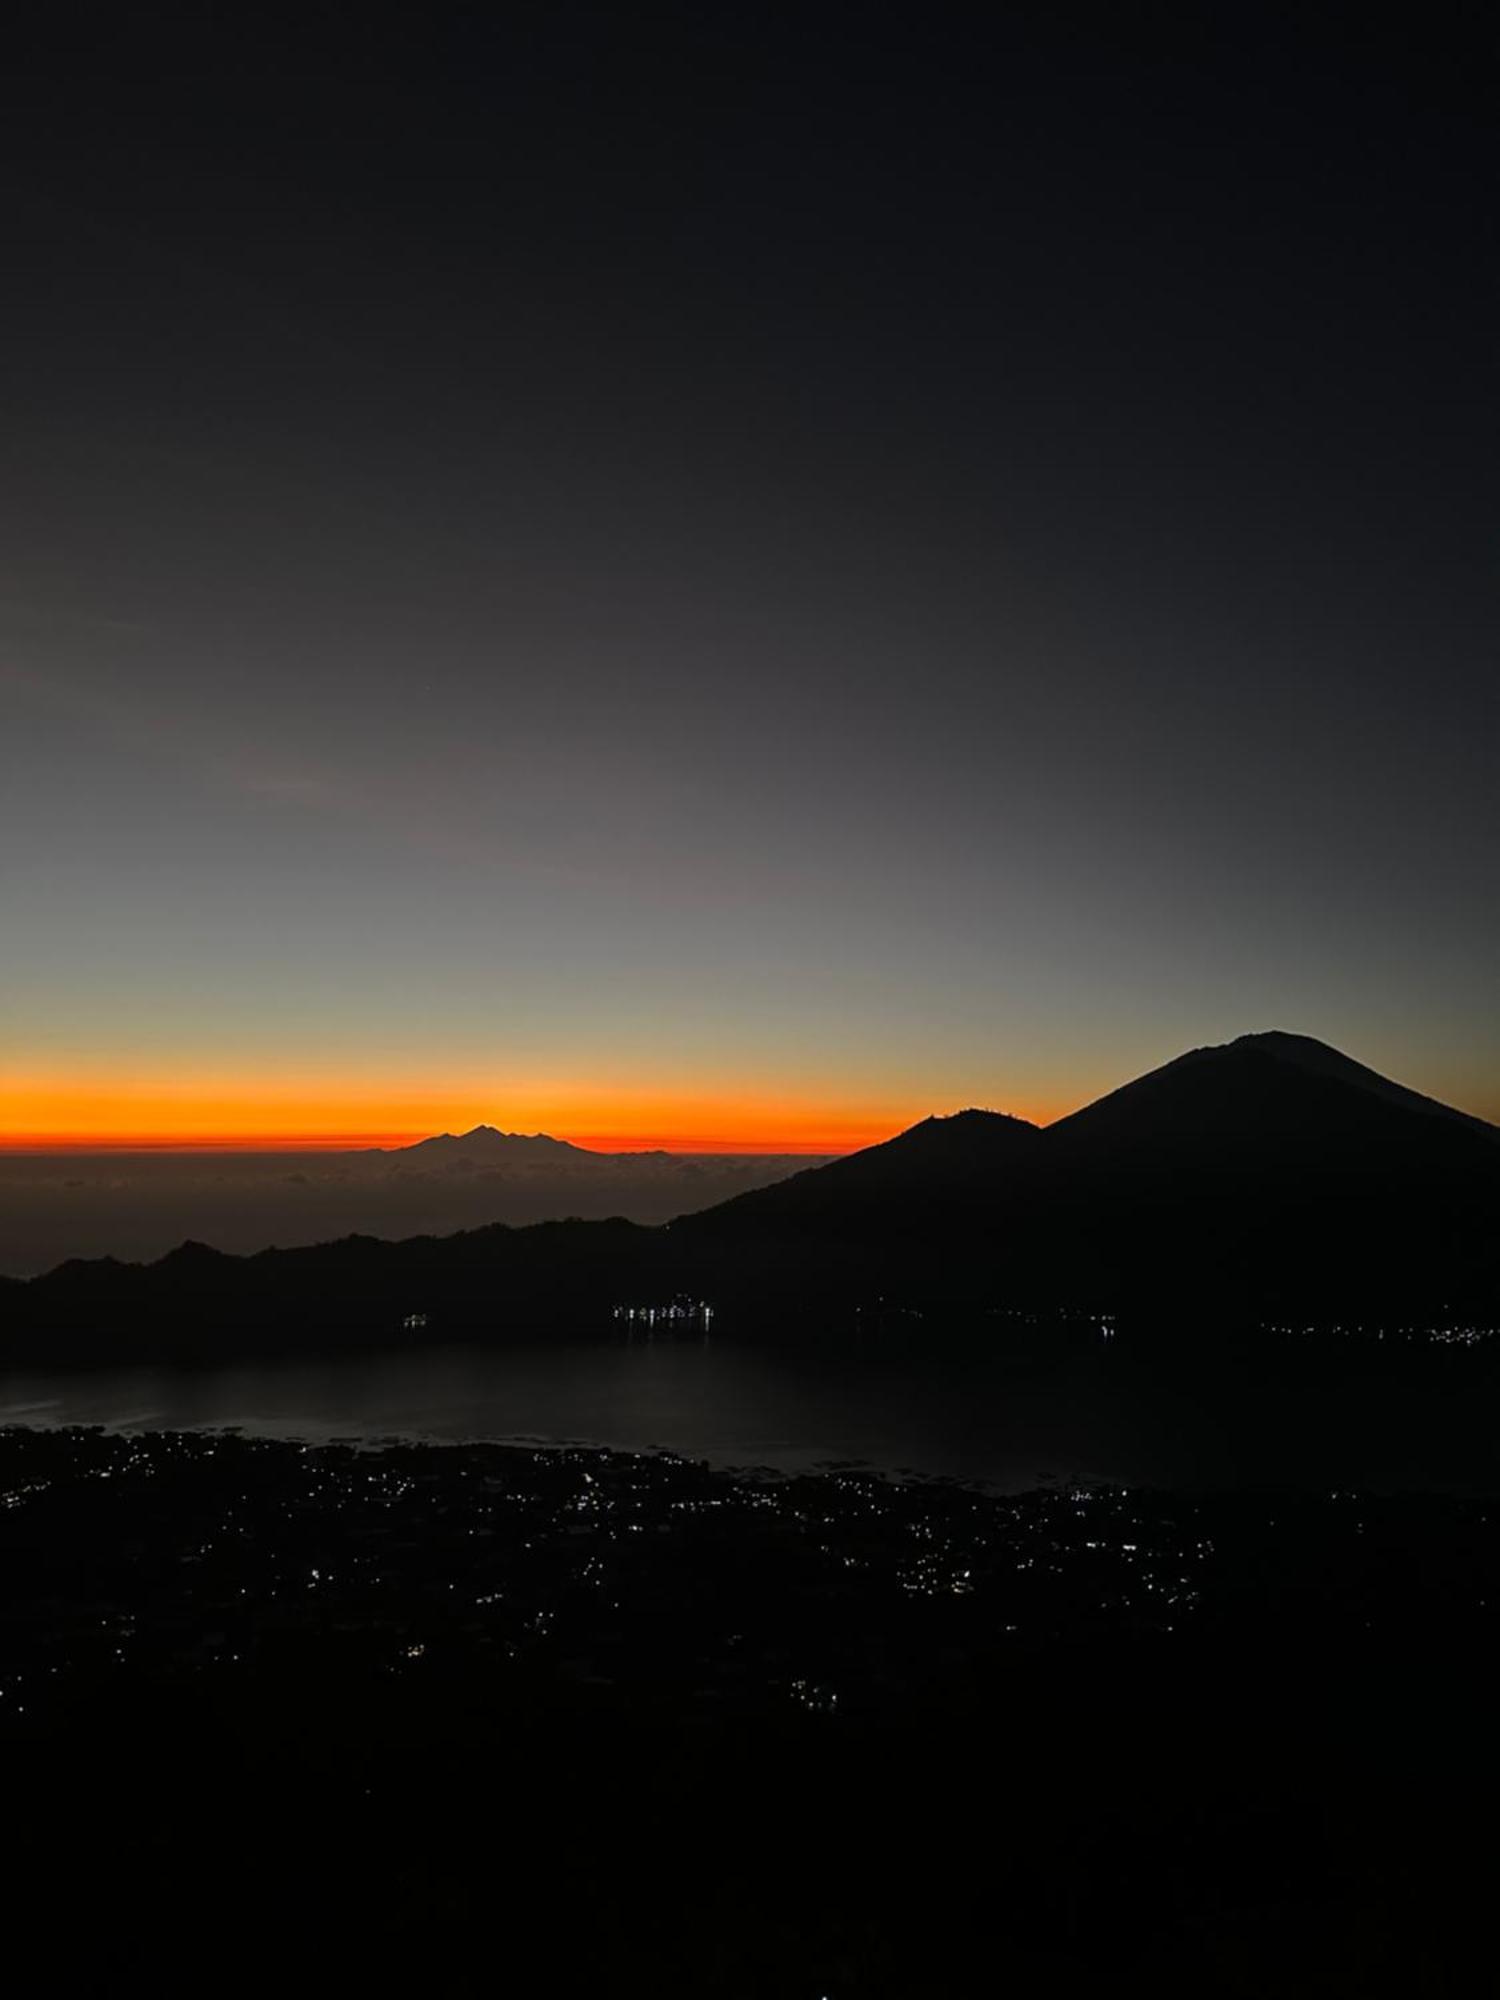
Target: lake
{"points": [[1094, 1413]]}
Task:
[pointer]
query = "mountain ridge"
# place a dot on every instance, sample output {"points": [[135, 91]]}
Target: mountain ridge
{"points": [[1261, 1176], [487, 1141], [1271, 1167]]}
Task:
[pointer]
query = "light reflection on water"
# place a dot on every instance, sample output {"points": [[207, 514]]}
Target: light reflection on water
{"points": [[1091, 1416]]}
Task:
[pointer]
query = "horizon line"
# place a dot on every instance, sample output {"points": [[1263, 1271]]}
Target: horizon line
{"points": [[628, 1144]]}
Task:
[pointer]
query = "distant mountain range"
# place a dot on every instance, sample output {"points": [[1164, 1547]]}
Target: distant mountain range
{"points": [[1271, 1174], [484, 1144], [137, 1205]]}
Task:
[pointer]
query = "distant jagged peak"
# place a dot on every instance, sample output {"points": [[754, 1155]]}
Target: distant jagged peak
{"points": [[488, 1139], [974, 1116]]}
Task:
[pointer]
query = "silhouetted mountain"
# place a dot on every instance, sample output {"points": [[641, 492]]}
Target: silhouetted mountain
{"points": [[920, 1202], [1271, 1170], [1303, 1052], [138, 1205], [1272, 1097], [484, 1145], [1274, 1168], [948, 1164], [196, 1303], [1272, 1174]]}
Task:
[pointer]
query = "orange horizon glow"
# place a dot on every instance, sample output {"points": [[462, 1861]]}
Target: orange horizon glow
{"points": [[322, 1142], [235, 1116]]}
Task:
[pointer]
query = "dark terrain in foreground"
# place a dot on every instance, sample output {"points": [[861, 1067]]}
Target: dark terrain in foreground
{"points": [[477, 1718]]}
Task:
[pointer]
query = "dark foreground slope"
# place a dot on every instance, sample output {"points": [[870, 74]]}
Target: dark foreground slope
{"points": [[198, 1304], [1270, 1177], [466, 1720]]}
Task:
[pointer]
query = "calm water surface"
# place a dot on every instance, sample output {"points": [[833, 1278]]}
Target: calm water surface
{"points": [[1093, 1415]]}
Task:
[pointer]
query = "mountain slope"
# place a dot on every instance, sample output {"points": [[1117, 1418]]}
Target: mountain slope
{"points": [[1268, 1098], [1272, 1174], [1274, 1168], [1270, 1169], [947, 1164]]}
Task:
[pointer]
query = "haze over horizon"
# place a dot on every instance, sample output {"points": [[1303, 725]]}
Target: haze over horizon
{"points": [[695, 587]]}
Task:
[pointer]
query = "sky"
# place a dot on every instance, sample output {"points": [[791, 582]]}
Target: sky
{"points": [[734, 578]]}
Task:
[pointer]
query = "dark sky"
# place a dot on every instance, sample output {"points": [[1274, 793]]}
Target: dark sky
{"points": [[713, 573]]}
